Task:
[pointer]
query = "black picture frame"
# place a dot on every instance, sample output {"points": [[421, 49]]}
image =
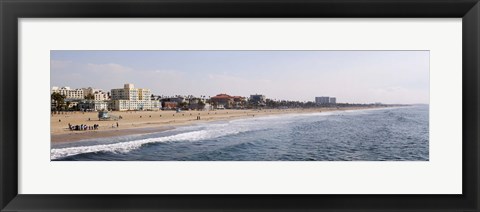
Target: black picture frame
{"points": [[11, 10]]}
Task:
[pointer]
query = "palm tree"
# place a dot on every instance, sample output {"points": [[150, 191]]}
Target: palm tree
{"points": [[58, 99], [200, 105]]}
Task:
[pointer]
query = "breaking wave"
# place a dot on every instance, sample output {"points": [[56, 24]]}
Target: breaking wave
{"points": [[215, 131]]}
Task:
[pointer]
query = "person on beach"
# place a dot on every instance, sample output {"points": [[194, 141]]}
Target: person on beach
{"points": [[117, 124]]}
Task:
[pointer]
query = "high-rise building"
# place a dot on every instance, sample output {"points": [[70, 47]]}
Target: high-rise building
{"points": [[322, 100], [333, 100], [131, 98]]}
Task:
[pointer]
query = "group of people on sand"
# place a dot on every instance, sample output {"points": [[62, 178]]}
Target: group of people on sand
{"points": [[83, 127]]}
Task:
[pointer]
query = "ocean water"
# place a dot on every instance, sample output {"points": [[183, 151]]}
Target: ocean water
{"points": [[386, 134]]}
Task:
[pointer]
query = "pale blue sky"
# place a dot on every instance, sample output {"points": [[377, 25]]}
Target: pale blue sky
{"points": [[351, 76]]}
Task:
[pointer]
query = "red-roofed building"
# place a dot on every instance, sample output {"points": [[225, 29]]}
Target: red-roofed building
{"points": [[222, 101], [169, 105], [225, 101]]}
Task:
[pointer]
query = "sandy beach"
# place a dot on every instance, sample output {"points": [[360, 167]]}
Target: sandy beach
{"points": [[141, 122]]}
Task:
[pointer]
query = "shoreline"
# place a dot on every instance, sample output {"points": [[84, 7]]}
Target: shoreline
{"points": [[73, 137], [143, 122]]}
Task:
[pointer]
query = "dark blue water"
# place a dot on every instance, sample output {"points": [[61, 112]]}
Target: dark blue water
{"points": [[391, 134]]}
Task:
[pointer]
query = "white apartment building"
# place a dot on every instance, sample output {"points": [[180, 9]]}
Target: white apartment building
{"points": [[131, 98], [101, 96], [132, 105], [68, 92]]}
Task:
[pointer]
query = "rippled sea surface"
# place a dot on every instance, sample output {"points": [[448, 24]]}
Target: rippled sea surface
{"points": [[388, 134]]}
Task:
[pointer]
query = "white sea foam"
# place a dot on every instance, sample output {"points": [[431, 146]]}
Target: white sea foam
{"points": [[213, 131]]}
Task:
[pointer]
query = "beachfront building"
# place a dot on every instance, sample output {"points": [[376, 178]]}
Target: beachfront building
{"points": [[156, 105], [325, 100], [222, 101], [93, 105], [131, 98], [333, 100], [101, 96], [71, 94], [167, 105], [225, 101], [122, 105], [322, 100], [257, 100]]}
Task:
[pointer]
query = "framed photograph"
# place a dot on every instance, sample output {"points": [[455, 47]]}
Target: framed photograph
{"points": [[239, 105]]}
